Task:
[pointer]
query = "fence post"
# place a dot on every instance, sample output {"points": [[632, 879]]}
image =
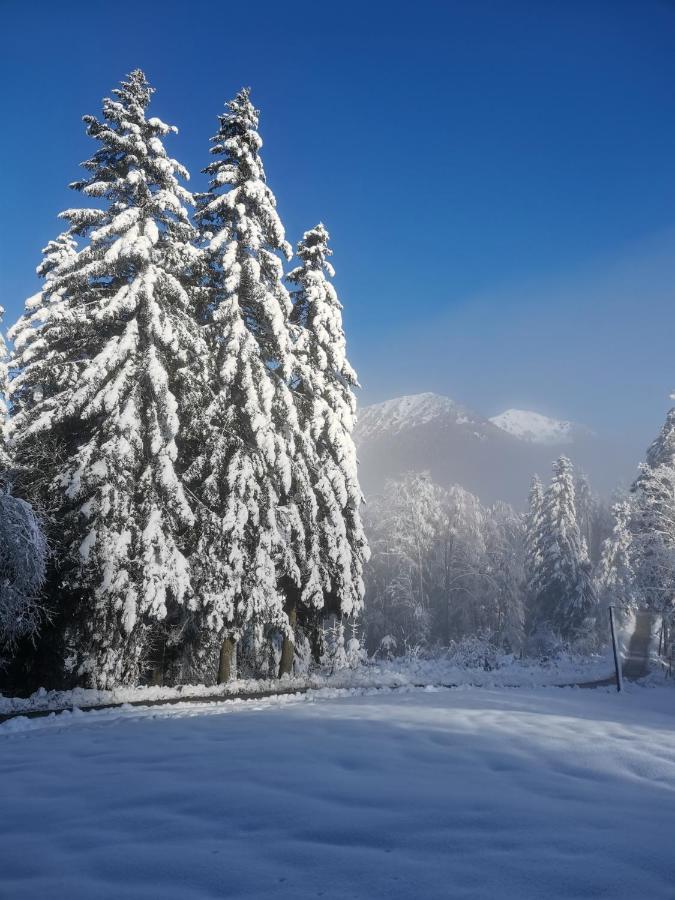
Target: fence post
{"points": [[617, 661]]}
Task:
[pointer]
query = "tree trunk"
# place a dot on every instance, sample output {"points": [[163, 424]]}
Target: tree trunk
{"points": [[157, 672], [227, 667], [288, 647], [317, 639]]}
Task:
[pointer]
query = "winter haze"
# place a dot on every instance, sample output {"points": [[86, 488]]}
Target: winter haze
{"points": [[598, 364], [493, 458]]}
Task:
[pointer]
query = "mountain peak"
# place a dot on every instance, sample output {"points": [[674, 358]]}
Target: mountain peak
{"points": [[536, 428], [493, 459], [411, 411]]}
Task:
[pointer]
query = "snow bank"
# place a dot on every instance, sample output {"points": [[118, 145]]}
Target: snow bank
{"points": [[510, 672]]}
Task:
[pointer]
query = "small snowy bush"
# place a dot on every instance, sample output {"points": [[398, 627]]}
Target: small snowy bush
{"points": [[355, 653], [474, 652], [544, 644], [387, 647], [340, 653]]}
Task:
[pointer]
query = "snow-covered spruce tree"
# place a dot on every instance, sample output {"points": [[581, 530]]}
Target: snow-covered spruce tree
{"points": [[652, 522], [22, 544], [462, 593], [109, 360], [532, 534], [504, 579], [585, 504], [324, 389], [38, 369], [564, 600], [248, 477], [615, 577], [23, 547], [4, 451], [594, 518]]}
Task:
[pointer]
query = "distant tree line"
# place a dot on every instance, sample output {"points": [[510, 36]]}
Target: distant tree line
{"points": [[446, 567]]}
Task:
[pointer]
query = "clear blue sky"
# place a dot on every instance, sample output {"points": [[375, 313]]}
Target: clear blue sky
{"points": [[498, 177]]}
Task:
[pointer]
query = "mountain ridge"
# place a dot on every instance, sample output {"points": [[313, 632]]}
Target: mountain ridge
{"points": [[456, 445]]}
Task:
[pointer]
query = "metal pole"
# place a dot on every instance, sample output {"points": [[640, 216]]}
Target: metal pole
{"points": [[617, 661]]}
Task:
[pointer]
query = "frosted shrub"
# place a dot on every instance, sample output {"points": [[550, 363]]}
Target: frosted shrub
{"points": [[340, 652], [476, 651], [545, 644], [356, 654], [387, 647], [334, 657]]}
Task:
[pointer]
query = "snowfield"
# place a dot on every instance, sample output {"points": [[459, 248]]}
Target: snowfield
{"points": [[436, 793]]}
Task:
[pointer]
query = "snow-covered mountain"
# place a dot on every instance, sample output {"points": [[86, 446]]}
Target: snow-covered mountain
{"points": [[493, 458], [405, 413], [538, 429]]}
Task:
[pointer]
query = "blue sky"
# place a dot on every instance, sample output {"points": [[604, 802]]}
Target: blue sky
{"points": [[498, 177]]}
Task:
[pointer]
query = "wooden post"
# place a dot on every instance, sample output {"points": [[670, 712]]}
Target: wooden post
{"points": [[617, 659]]}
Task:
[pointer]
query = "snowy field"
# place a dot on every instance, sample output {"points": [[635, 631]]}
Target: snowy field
{"points": [[472, 792]]}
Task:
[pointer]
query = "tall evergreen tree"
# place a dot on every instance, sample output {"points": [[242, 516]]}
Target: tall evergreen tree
{"points": [[324, 388], [585, 504], [652, 523], [532, 534], [564, 598], [505, 573], [39, 367], [594, 517], [4, 454], [246, 475], [109, 362], [615, 578]]}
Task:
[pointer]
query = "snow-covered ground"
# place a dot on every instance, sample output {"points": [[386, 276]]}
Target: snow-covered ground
{"points": [[471, 792]]}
